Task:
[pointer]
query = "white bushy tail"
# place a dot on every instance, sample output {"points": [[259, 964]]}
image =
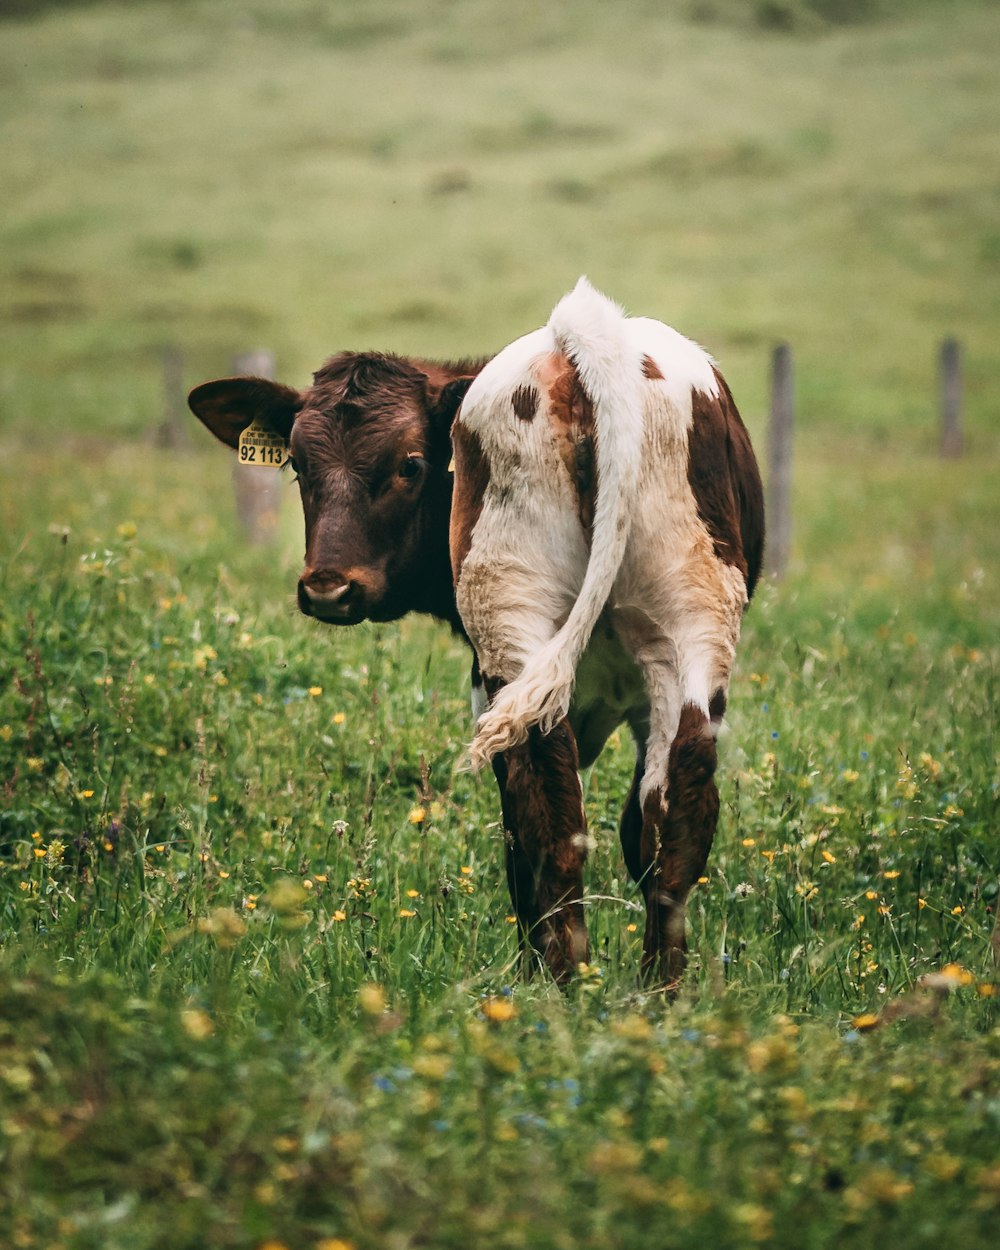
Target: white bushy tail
{"points": [[590, 330]]}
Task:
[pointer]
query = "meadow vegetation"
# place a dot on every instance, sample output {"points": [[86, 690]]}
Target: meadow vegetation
{"points": [[259, 984]]}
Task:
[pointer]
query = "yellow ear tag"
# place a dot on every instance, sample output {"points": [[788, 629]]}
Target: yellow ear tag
{"points": [[262, 448], [451, 465]]}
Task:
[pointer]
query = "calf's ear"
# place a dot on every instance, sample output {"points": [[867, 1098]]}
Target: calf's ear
{"points": [[228, 405], [444, 402]]}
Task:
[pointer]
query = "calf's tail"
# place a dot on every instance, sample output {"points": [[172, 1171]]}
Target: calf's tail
{"points": [[591, 331]]}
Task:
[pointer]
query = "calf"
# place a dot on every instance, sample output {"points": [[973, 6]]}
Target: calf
{"points": [[605, 536]]}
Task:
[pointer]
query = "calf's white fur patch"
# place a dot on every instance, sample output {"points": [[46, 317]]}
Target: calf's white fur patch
{"points": [[532, 586]]}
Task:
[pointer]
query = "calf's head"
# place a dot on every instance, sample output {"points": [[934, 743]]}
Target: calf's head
{"points": [[369, 443]]}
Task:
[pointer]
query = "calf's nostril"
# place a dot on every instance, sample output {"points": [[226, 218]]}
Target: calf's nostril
{"points": [[335, 593]]}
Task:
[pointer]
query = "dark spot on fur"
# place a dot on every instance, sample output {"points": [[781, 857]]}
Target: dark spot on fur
{"points": [[525, 401], [651, 370], [717, 705]]}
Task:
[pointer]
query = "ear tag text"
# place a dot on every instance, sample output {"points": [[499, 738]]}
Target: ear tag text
{"points": [[262, 448]]}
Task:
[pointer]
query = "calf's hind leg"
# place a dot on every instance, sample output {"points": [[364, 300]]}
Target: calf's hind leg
{"points": [[679, 814], [546, 845], [669, 820]]}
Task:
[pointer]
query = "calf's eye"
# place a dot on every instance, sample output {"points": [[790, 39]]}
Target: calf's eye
{"points": [[411, 467]]}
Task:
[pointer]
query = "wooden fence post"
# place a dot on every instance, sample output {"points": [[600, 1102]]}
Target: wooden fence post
{"points": [[950, 366], [258, 497], [172, 432], [779, 481]]}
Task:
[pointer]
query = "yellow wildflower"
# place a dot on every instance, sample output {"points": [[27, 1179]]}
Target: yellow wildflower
{"points": [[202, 655], [958, 974], [498, 1010], [224, 925], [371, 998], [197, 1024], [756, 1220]]}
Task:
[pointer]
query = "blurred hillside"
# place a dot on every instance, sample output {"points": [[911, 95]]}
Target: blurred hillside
{"points": [[432, 176]]}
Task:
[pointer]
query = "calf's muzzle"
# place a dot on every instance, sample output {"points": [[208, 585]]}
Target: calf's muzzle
{"points": [[331, 596]]}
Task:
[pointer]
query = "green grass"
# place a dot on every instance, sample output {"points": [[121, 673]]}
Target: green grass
{"points": [[222, 828], [258, 986]]}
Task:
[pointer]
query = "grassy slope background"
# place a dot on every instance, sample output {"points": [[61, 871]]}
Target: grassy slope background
{"points": [[221, 829]]}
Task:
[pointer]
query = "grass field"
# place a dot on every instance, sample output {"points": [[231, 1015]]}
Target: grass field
{"points": [[258, 982]]}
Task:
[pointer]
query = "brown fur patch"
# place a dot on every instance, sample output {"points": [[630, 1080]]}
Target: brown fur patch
{"points": [[732, 508], [651, 370], [572, 416], [472, 476], [525, 401], [724, 478]]}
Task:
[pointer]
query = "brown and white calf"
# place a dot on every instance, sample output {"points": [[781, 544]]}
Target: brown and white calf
{"points": [[606, 534]]}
